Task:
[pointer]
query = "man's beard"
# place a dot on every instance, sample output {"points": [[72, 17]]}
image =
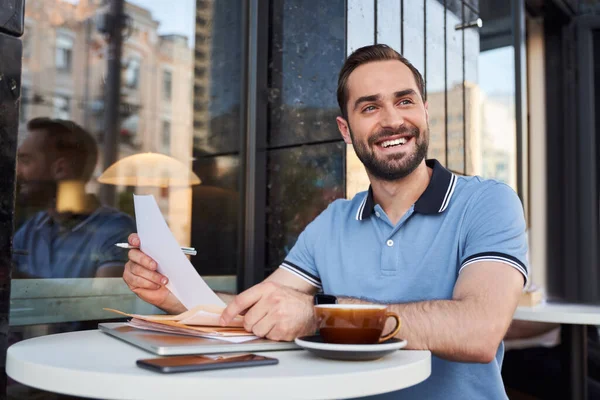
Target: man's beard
{"points": [[395, 166], [40, 193]]}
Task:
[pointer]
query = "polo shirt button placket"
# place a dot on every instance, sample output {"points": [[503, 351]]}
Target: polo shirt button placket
{"points": [[389, 259]]}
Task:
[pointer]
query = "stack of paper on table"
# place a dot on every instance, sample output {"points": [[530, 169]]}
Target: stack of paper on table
{"points": [[203, 305], [201, 321]]}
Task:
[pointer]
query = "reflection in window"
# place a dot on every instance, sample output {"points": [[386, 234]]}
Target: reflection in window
{"points": [[73, 234], [132, 73], [64, 52], [61, 107], [471, 93], [454, 89], [167, 84], [215, 213], [218, 76], [496, 78], [217, 96], [166, 137], [26, 41], [302, 181], [434, 79], [413, 30], [307, 52], [78, 235], [23, 111]]}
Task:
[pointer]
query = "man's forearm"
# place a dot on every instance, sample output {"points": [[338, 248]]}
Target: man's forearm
{"points": [[456, 330]]}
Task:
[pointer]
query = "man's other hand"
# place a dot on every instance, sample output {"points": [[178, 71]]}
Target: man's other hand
{"points": [[274, 311]]}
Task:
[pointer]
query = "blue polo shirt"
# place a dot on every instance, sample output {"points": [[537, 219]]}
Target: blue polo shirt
{"points": [[352, 249], [57, 251]]}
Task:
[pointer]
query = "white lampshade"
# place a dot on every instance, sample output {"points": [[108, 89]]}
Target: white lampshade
{"points": [[149, 169]]}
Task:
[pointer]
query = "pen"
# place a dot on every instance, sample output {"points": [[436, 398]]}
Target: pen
{"points": [[186, 250]]}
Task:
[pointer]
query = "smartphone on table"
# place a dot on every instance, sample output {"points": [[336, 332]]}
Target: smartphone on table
{"points": [[190, 363]]}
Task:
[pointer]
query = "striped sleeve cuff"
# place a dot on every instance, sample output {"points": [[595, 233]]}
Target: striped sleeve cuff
{"points": [[497, 257], [296, 270]]}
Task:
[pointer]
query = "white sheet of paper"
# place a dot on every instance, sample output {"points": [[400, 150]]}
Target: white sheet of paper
{"points": [[159, 243]]}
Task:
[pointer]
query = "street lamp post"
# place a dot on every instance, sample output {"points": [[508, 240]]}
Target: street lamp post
{"points": [[116, 22]]}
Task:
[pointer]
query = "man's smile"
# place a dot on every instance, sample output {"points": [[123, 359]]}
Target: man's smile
{"points": [[394, 143]]}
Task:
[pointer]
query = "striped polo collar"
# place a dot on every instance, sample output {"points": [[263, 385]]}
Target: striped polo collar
{"points": [[435, 198]]}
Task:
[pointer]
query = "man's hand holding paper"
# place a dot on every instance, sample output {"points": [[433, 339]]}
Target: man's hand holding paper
{"points": [[160, 274], [142, 278]]}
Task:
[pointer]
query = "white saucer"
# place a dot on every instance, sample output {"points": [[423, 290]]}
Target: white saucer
{"points": [[350, 352]]}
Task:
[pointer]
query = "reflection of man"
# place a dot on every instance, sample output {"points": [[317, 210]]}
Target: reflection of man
{"points": [[75, 236], [446, 252], [214, 217]]}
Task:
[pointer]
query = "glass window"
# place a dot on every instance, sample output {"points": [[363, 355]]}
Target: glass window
{"points": [[307, 52], [61, 107], [179, 96], [167, 84], [434, 78], [132, 73], [23, 104], [389, 23], [166, 137], [497, 83], [302, 181], [215, 214], [218, 77], [472, 92], [454, 89], [413, 29], [64, 52], [26, 40], [496, 79]]}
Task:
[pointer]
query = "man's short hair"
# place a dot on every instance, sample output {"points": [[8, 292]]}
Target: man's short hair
{"points": [[365, 55], [71, 141]]}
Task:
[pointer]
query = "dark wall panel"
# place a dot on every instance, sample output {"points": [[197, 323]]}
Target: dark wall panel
{"points": [[10, 84], [12, 14], [307, 50]]}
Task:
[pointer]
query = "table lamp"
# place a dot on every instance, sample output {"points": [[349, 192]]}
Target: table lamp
{"points": [[149, 169]]}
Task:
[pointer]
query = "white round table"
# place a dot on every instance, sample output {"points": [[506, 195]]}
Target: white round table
{"points": [[560, 313], [93, 364], [574, 319]]}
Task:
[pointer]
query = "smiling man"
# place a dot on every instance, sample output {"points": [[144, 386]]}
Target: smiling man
{"points": [[446, 252]]}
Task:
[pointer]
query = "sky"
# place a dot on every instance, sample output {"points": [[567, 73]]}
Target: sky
{"points": [[175, 16], [497, 71]]}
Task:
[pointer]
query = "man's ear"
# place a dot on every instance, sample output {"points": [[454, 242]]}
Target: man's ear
{"points": [[344, 129], [59, 169], [427, 110]]}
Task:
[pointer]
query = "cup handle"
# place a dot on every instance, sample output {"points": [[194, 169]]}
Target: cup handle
{"points": [[396, 328]]}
